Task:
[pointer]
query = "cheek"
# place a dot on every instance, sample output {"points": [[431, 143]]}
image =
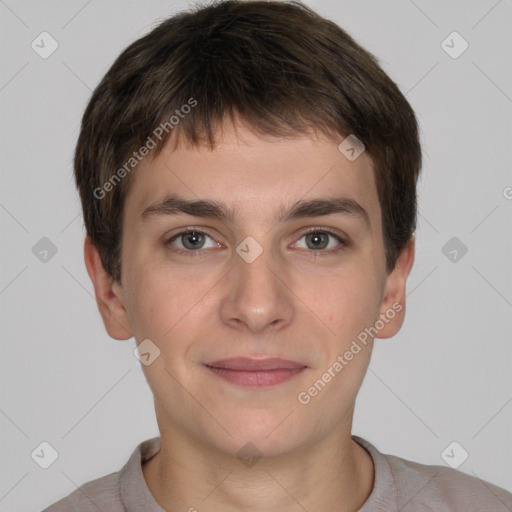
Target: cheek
{"points": [[164, 301], [347, 301], [153, 303]]}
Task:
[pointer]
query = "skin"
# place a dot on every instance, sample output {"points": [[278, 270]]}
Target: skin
{"points": [[291, 302]]}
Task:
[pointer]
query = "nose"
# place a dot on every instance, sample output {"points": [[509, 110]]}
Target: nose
{"points": [[257, 299]]}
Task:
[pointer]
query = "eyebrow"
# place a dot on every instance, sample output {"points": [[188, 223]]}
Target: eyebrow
{"points": [[174, 205]]}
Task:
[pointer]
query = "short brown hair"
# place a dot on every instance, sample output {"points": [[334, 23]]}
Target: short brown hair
{"points": [[279, 66]]}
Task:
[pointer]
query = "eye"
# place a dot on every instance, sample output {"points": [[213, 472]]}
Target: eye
{"points": [[322, 241], [191, 241]]}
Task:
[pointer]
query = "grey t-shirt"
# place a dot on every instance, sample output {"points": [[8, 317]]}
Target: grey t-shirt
{"points": [[399, 486]]}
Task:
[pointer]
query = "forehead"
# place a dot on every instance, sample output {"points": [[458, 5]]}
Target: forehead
{"points": [[255, 175]]}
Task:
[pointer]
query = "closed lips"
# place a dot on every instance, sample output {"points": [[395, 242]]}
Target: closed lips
{"points": [[255, 365]]}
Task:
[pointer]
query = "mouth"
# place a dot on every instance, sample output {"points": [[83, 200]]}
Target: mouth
{"points": [[255, 373]]}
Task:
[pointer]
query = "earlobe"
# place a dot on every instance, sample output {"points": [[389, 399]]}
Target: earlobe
{"points": [[110, 301], [392, 310]]}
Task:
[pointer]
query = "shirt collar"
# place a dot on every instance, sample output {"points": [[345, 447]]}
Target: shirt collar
{"points": [[135, 493], [384, 495]]}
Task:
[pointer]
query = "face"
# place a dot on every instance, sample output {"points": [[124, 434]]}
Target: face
{"points": [[286, 262]]}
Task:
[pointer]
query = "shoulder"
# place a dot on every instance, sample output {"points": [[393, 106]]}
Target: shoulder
{"points": [[408, 486], [100, 494], [422, 487], [440, 486], [110, 493]]}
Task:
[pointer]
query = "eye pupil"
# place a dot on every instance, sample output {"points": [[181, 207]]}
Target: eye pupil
{"points": [[193, 240], [316, 239]]}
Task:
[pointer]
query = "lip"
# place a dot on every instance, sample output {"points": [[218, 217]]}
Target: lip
{"points": [[255, 373], [249, 364]]}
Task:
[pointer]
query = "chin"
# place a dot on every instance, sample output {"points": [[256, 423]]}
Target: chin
{"points": [[247, 447], [268, 438]]}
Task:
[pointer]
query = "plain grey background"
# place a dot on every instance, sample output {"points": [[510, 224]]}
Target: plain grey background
{"points": [[445, 377]]}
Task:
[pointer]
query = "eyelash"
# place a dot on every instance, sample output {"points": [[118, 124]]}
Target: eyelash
{"points": [[320, 252]]}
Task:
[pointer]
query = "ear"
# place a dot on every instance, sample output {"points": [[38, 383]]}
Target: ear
{"points": [[109, 295], [392, 310]]}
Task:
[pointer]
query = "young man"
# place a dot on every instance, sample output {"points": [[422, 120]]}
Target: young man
{"points": [[248, 180]]}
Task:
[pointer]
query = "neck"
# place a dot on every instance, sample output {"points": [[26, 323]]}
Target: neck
{"points": [[335, 474]]}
